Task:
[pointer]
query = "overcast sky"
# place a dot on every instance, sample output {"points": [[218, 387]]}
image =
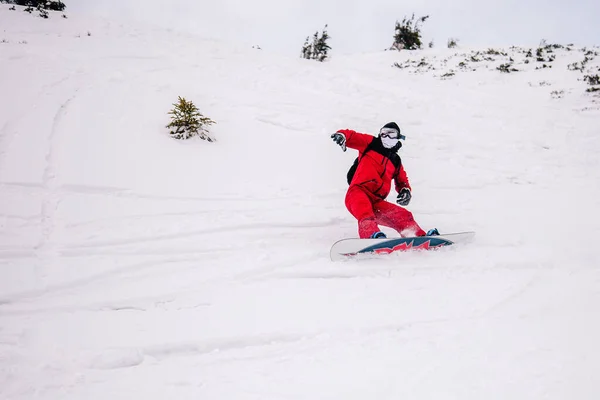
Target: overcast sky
{"points": [[363, 25]]}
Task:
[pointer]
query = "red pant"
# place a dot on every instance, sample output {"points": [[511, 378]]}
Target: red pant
{"points": [[371, 211]]}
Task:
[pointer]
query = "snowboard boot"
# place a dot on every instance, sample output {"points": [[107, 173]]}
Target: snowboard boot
{"points": [[378, 235], [432, 232]]}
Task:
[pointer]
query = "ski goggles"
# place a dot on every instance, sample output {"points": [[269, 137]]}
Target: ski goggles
{"points": [[391, 133]]}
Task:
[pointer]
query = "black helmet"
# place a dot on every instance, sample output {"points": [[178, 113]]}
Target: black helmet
{"points": [[392, 126]]}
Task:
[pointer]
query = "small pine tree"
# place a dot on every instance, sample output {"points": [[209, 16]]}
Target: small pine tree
{"points": [[306, 50], [452, 43], [408, 34], [187, 121], [319, 48]]}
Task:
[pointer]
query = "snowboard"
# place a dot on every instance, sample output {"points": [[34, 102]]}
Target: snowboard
{"points": [[355, 247]]}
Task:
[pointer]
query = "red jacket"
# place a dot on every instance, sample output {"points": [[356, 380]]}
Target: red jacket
{"points": [[375, 171]]}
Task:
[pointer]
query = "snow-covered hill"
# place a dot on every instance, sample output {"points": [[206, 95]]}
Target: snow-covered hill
{"points": [[136, 266]]}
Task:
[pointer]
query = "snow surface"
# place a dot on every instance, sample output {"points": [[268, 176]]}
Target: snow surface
{"points": [[136, 266]]}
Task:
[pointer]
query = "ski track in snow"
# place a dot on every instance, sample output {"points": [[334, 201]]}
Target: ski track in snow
{"points": [[134, 266], [51, 198], [127, 193]]}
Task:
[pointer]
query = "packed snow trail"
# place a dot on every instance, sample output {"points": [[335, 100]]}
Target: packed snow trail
{"points": [[133, 265]]}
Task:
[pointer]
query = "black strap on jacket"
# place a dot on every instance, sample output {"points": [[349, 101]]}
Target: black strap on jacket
{"points": [[373, 145]]}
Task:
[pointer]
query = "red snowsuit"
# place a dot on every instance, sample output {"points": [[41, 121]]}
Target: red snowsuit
{"points": [[371, 185]]}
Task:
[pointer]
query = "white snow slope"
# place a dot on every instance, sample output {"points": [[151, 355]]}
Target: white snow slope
{"points": [[135, 266]]}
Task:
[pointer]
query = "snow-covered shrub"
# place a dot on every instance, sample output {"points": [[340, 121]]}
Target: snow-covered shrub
{"points": [[448, 74], [540, 53], [54, 5], [506, 68], [592, 79], [408, 34], [187, 121], [579, 66], [42, 6], [318, 49], [452, 43]]}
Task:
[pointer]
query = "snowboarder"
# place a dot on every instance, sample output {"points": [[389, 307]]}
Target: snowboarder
{"points": [[370, 180]]}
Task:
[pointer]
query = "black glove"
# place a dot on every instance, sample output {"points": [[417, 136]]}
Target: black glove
{"points": [[340, 139], [403, 197]]}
